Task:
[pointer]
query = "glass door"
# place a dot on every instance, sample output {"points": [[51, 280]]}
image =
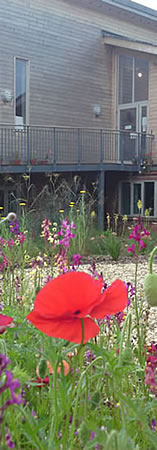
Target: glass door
{"points": [[128, 136], [133, 139], [143, 130]]}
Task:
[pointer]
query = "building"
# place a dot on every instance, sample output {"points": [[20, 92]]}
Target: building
{"points": [[78, 94]]}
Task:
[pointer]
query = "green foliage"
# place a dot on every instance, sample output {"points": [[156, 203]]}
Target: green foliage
{"points": [[113, 246], [103, 401]]}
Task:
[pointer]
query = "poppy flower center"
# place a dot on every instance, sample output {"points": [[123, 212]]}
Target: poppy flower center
{"points": [[77, 312]]}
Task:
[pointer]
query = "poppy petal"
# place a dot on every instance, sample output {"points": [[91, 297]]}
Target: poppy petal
{"points": [[68, 294], [70, 329], [114, 299], [5, 320]]}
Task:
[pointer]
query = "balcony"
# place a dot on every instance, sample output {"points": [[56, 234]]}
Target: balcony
{"points": [[71, 149]]}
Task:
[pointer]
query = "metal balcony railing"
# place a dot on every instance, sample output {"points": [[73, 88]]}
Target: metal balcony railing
{"points": [[32, 145]]}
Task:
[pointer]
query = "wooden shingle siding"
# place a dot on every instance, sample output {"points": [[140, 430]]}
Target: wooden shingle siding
{"points": [[153, 104], [70, 68]]}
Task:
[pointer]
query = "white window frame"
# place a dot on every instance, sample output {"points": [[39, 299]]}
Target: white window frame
{"points": [[132, 183], [27, 90]]}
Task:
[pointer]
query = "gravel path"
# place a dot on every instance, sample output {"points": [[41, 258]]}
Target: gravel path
{"points": [[125, 270]]}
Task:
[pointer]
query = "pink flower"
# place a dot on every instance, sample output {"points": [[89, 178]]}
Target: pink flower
{"points": [[131, 249], [10, 243], [21, 238]]}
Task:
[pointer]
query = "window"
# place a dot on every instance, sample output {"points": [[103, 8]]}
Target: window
{"points": [[131, 192], [133, 79], [125, 198], [136, 196], [141, 80], [125, 79], [21, 92], [149, 197]]}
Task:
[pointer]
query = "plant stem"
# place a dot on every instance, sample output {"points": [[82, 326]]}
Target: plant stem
{"points": [[151, 260], [137, 313]]}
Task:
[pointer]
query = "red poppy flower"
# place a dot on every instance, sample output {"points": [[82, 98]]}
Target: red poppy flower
{"points": [[41, 383], [5, 322], [61, 304]]}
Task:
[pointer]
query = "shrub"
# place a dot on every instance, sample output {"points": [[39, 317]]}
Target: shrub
{"points": [[113, 246]]}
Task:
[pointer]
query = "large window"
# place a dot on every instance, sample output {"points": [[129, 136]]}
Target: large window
{"points": [[125, 198], [133, 79], [149, 197], [21, 71], [131, 192], [136, 196], [125, 79]]}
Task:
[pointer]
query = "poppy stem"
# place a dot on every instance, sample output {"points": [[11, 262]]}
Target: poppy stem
{"points": [[82, 341]]}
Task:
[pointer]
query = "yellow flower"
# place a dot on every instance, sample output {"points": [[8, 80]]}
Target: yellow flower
{"points": [[93, 214], [3, 217], [78, 210], [26, 177], [1, 207], [139, 204], [22, 204], [72, 203], [26, 257], [61, 210], [71, 206], [146, 213], [125, 218], [82, 192]]}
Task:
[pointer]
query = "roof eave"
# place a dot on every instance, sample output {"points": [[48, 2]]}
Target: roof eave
{"points": [[135, 8]]}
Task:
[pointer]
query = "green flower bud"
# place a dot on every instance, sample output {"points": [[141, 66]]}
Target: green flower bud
{"points": [[150, 283]]}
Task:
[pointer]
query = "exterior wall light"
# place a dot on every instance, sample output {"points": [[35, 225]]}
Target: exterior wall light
{"points": [[97, 110], [6, 96]]}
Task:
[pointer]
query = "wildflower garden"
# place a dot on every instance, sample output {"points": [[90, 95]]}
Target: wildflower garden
{"points": [[76, 368]]}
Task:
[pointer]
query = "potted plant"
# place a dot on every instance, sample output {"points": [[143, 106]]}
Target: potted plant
{"points": [[16, 162]]}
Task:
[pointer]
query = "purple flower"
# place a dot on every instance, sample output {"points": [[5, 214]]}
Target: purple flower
{"points": [[76, 261], [131, 291], [46, 233], [8, 383], [14, 227], [62, 256], [151, 368], [9, 441], [66, 232], [4, 361], [92, 436], [153, 424]]}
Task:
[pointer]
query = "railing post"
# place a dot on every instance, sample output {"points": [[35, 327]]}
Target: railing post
{"points": [[101, 187], [1, 156], [28, 147], [139, 154], [122, 143], [78, 147], [54, 146], [101, 148]]}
